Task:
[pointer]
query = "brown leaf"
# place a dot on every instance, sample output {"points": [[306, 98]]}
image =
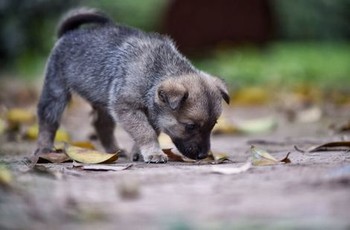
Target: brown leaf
{"points": [[213, 158], [53, 157], [332, 146], [89, 156], [173, 156], [286, 160]]}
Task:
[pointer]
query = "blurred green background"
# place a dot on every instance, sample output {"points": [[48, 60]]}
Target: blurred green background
{"points": [[304, 42]]}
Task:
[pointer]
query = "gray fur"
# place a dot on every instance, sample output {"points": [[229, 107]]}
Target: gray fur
{"points": [[120, 71]]}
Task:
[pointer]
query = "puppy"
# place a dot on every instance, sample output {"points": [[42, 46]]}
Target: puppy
{"points": [[136, 79]]}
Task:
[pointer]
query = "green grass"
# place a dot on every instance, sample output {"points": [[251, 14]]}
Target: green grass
{"points": [[283, 64]]}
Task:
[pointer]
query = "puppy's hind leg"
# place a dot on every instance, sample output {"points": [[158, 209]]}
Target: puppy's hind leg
{"points": [[104, 126], [54, 98]]}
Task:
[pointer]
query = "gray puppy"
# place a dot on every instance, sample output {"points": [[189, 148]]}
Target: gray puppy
{"points": [[136, 79]]}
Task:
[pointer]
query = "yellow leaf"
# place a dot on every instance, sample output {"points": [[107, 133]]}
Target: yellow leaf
{"points": [[5, 176], [261, 157], [223, 126], [83, 144], [20, 116], [33, 132], [89, 156]]}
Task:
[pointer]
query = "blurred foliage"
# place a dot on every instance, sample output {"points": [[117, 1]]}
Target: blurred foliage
{"points": [[27, 33], [312, 19], [321, 64]]}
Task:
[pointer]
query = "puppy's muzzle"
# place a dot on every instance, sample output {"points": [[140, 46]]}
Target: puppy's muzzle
{"points": [[193, 150]]}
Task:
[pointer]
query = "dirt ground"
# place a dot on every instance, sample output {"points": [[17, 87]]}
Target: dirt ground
{"points": [[312, 192]]}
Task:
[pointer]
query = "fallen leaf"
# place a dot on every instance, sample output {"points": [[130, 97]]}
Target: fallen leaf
{"points": [[213, 158], [257, 125], [286, 160], [53, 157], [165, 141], [223, 126], [33, 131], [231, 170], [20, 116], [332, 146], [102, 167], [176, 157], [89, 156], [5, 177], [261, 157], [83, 144]]}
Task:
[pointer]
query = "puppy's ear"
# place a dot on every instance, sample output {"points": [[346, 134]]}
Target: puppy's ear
{"points": [[220, 84], [172, 94]]}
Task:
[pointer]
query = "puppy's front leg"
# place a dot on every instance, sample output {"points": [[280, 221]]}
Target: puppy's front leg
{"points": [[135, 122]]}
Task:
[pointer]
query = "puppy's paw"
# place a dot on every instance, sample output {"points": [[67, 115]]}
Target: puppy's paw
{"points": [[153, 154], [158, 157]]}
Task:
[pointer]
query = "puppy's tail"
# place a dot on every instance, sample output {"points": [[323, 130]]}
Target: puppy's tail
{"points": [[77, 17]]}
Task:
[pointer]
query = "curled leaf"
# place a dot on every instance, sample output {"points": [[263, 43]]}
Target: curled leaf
{"points": [[286, 160], [332, 146], [261, 158], [89, 156], [53, 157], [176, 157]]}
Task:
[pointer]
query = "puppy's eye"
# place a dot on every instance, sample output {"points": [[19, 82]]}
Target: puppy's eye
{"points": [[190, 127]]}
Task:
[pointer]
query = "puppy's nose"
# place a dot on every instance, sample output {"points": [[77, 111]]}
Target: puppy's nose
{"points": [[202, 155]]}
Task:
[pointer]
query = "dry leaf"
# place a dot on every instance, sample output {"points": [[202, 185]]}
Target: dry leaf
{"points": [[261, 157], [20, 116], [332, 146], [223, 126], [176, 157], [89, 156], [102, 167], [53, 157], [213, 158], [231, 170], [33, 131], [164, 141], [5, 177], [286, 160], [83, 144]]}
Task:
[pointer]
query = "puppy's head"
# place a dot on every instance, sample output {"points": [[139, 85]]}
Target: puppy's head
{"points": [[188, 108]]}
